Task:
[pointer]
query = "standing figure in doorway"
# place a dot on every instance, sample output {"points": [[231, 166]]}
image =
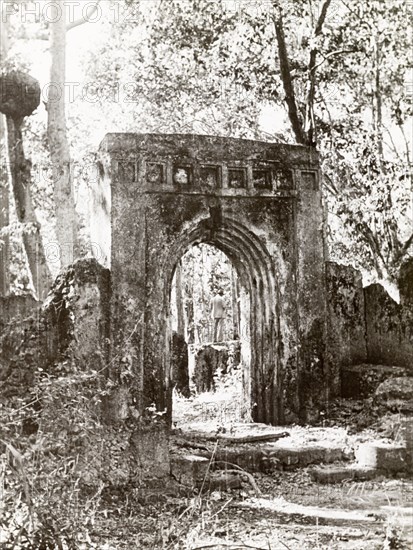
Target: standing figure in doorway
{"points": [[218, 313]]}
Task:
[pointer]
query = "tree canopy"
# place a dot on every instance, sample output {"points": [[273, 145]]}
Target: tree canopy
{"points": [[329, 73]]}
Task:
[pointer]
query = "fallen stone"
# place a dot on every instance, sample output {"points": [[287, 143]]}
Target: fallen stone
{"points": [[258, 438], [222, 481], [361, 381], [338, 474], [189, 470], [400, 388], [388, 457]]}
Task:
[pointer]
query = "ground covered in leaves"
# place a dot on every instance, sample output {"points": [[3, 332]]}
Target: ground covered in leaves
{"points": [[369, 515], [284, 509]]}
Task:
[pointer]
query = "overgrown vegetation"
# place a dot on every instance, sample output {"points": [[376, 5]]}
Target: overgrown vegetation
{"points": [[44, 503]]}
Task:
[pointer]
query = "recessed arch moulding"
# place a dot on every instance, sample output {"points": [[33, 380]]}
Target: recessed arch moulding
{"points": [[260, 203]]}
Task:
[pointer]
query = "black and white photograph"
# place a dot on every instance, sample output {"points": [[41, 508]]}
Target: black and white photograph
{"points": [[206, 275]]}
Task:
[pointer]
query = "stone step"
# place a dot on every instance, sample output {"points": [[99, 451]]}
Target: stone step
{"points": [[339, 474], [273, 456], [372, 459], [261, 448]]}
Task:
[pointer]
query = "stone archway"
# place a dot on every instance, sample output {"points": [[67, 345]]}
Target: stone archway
{"points": [[254, 266], [260, 203]]}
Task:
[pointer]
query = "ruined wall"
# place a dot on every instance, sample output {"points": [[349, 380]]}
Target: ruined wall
{"points": [[366, 326], [72, 324], [54, 361], [389, 327], [346, 341], [16, 307], [22, 341]]}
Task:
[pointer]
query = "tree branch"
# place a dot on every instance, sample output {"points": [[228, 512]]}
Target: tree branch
{"points": [[331, 54], [322, 17], [356, 14], [393, 145], [69, 27], [372, 241], [331, 187]]}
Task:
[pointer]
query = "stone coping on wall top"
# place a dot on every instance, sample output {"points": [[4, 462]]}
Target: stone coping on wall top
{"points": [[214, 147], [209, 165]]}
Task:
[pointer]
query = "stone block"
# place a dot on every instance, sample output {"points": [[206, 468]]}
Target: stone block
{"points": [[396, 394], [396, 388], [222, 481], [389, 457], [338, 474], [150, 451], [360, 381], [208, 360], [179, 364], [190, 469]]}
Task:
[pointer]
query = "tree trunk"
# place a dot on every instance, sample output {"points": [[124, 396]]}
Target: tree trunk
{"points": [[20, 180], [189, 309], [304, 132], [290, 99], [4, 217], [66, 219], [4, 183], [179, 301]]}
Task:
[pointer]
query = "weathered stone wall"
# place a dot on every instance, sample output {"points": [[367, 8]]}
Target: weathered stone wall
{"points": [[346, 341], [59, 353], [22, 345], [366, 327], [389, 327], [72, 324], [16, 307], [261, 204]]}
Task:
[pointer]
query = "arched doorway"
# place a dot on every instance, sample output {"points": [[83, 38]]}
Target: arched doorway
{"points": [[254, 265]]}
